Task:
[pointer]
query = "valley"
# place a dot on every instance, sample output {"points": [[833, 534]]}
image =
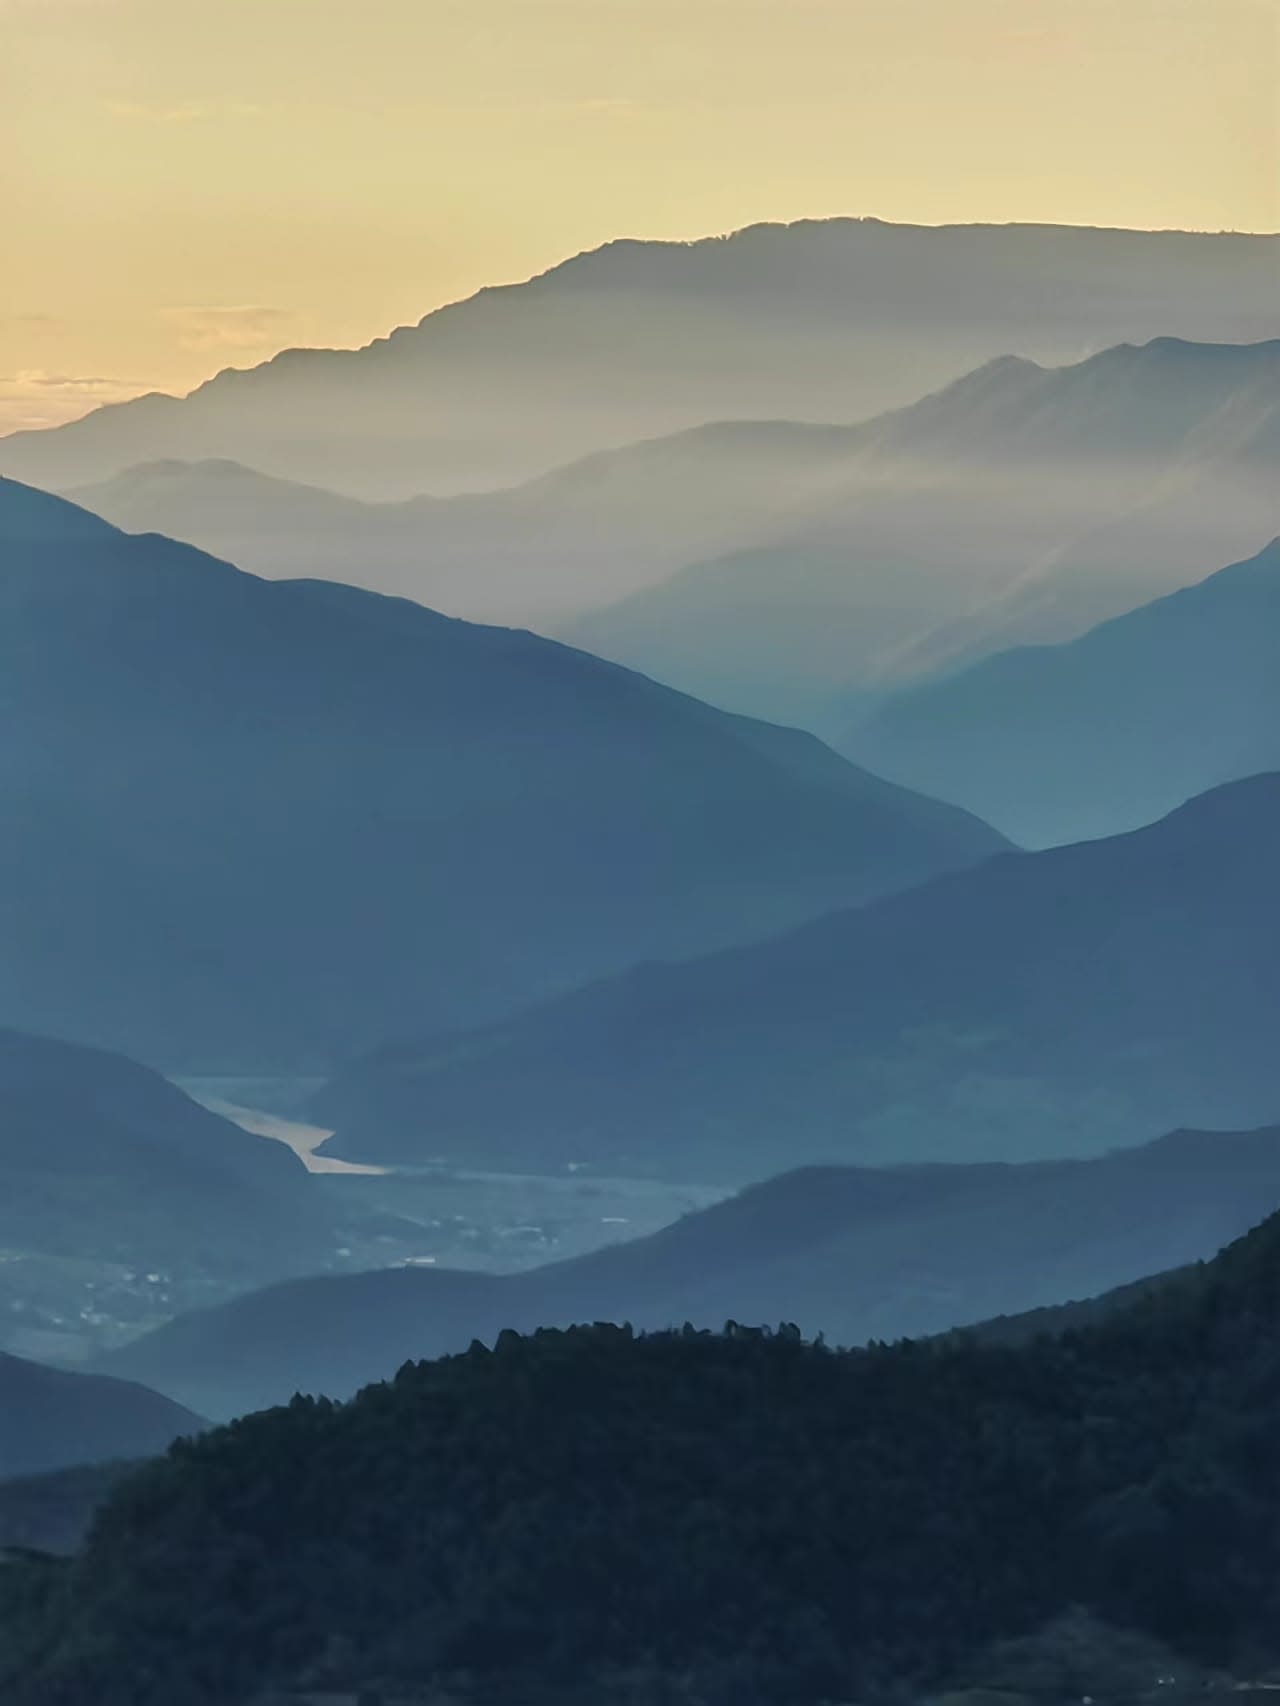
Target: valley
{"points": [[639, 911], [71, 1310], [490, 1221]]}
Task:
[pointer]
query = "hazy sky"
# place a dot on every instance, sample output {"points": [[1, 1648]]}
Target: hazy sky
{"points": [[187, 184]]}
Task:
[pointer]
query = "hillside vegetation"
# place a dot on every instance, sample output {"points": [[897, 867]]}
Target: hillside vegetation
{"points": [[758, 1517]]}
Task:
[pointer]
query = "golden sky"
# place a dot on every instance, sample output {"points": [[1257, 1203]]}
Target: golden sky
{"points": [[191, 184]]}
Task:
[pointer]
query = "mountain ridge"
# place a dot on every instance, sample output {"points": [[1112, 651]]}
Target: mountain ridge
{"points": [[821, 320], [396, 813], [124, 1200], [854, 1253], [1103, 733], [58, 1419], [1092, 994], [779, 567], [1019, 504]]}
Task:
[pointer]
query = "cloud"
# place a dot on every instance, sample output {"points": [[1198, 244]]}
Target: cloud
{"points": [[35, 378], [235, 328]]}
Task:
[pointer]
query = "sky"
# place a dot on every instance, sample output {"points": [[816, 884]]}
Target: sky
{"points": [[187, 185]]}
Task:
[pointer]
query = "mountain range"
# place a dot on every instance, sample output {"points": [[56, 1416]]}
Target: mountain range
{"points": [[1061, 743], [537, 553], [458, 743], [1021, 504], [1040, 1004], [779, 568], [259, 823], [819, 320], [854, 1253]]}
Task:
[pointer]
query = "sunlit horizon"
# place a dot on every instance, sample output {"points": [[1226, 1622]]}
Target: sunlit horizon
{"points": [[201, 187]]}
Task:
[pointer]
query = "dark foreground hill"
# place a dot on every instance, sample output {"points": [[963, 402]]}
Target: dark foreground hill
{"points": [[51, 1418], [1059, 743], [1041, 1004], [256, 822], [737, 1519], [856, 1253], [819, 320]]}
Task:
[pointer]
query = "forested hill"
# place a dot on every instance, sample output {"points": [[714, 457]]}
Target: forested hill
{"points": [[761, 1518]]}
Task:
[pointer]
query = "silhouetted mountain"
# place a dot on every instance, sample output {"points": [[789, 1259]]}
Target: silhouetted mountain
{"points": [[1041, 1004], [1061, 743], [68, 1108], [593, 1516], [254, 822], [537, 553], [124, 1201], [51, 1418], [1020, 504], [278, 528], [820, 320], [855, 1253], [103, 1159]]}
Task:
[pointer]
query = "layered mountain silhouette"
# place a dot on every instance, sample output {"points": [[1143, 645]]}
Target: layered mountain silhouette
{"points": [[537, 553], [854, 1253], [104, 1161], [1062, 743], [558, 1515], [776, 567], [273, 822], [1042, 1004], [52, 1418], [820, 320], [1021, 504]]}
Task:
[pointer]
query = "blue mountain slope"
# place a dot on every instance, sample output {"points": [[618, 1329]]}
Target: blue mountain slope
{"points": [[269, 823], [1039, 1004], [1059, 743]]}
